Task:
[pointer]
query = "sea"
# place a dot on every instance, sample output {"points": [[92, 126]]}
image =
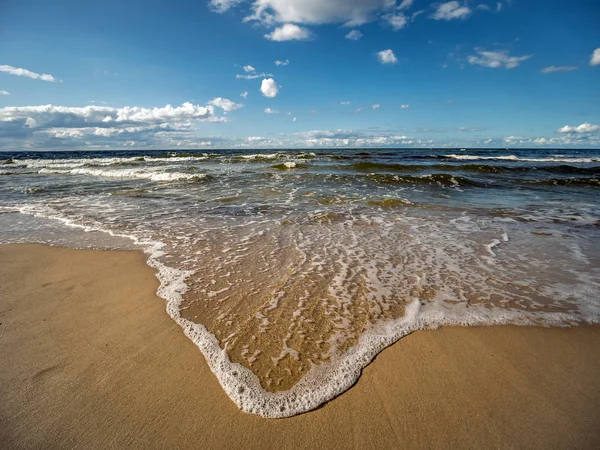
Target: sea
{"points": [[292, 269]]}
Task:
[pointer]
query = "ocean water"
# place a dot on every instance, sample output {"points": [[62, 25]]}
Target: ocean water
{"points": [[292, 269]]}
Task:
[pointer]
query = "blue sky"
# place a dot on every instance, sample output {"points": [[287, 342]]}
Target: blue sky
{"points": [[356, 73]]}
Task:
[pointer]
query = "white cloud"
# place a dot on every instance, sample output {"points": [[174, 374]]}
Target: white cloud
{"points": [[570, 140], [405, 106], [294, 119], [397, 21], [3, 92], [51, 116], [41, 122], [551, 69], [314, 12], [344, 103], [221, 6], [450, 11], [249, 68], [252, 76], [225, 104], [357, 110], [405, 4], [595, 58], [282, 63], [386, 57], [354, 35], [244, 95], [269, 88], [271, 111], [349, 138], [583, 128], [375, 106], [350, 13], [416, 14], [289, 32], [53, 126], [27, 73], [496, 59]]}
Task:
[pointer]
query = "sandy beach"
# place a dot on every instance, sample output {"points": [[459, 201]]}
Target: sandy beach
{"points": [[90, 359]]}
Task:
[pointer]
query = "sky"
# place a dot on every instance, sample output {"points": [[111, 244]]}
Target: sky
{"points": [[211, 74]]}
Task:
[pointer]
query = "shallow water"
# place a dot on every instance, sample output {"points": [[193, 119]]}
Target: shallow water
{"points": [[291, 270]]}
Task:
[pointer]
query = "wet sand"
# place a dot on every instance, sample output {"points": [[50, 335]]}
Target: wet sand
{"points": [[90, 359]]}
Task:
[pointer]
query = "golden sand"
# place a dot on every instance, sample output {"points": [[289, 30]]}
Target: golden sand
{"points": [[90, 359]]}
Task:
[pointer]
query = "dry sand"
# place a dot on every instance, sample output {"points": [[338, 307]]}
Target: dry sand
{"points": [[90, 359]]}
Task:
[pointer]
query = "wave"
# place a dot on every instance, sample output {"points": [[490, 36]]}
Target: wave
{"points": [[70, 163], [365, 166], [516, 158], [576, 182], [323, 382], [442, 179], [130, 173], [264, 157], [391, 203], [289, 165]]}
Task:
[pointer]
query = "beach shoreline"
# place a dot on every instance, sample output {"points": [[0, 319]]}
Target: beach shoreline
{"points": [[92, 359]]}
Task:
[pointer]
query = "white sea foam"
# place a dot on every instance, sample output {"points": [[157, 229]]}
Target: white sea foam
{"points": [[516, 158], [70, 163], [325, 381], [127, 173]]}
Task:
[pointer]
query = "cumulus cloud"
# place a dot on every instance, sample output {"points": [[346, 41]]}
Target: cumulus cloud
{"points": [[221, 6], [249, 68], [344, 103], [405, 106], [289, 32], [386, 57], [51, 116], [3, 92], [350, 13], [354, 35], [225, 104], [396, 21], [27, 73], [551, 69], [271, 111], [595, 58], [583, 128], [314, 12], [51, 125], [282, 63], [496, 59], [269, 88], [375, 106], [351, 138], [244, 95], [451, 11], [584, 140]]}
